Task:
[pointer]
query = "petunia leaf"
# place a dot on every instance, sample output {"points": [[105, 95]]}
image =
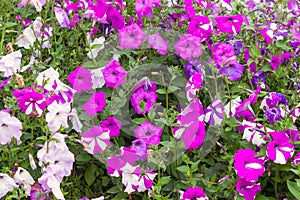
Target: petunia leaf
{"points": [[294, 189]]}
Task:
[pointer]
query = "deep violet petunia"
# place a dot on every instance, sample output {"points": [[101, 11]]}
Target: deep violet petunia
{"points": [[233, 70]]}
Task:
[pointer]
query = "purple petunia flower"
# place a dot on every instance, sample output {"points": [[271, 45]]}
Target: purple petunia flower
{"points": [[192, 129], [223, 54], [237, 45], [200, 26], [131, 36], [233, 71], [194, 83], [157, 42], [275, 62], [272, 100], [273, 115], [140, 147], [143, 101], [80, 79], [276, 32], [258, 78], [189, 9], [114, 74], [194, 193], [115, 17], [5, 82], [96, 139], [61, 17], [188, 47], [193, 66], [247, 166], [113, 124], [95, 104], [247, 189], [214, 113], [280, 149], [230, 24], [149, 133]]}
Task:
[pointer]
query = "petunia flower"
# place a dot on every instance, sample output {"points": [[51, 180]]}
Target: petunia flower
{"points": [[61, 17], [113, 124], [276, 32], [62, 93], [129, 179], [194, 193], [192, 129], [58, 116], [97, 78], [5, 82], [258, 78], [157, 42], [200, 26], [272, 100], [273, 115], [96, 139], [23, 178], [223, 54], [189, 9], [230, 107], [192, 67], [131, 36], [80, 79], [96, 46], [114, 74], [47, 78], [143, 101], [247, 166], [296, 159], [214, 113], [115, 17], [188, 47], [237, 45], [247, 189], [230, 24], [10, 63], [146, 84], [234, 71], [10, 128], [193, 85], [77, 125], [140, 147], [279, 149], [7, 184], [254, 132], [144, 8], [149, 133], [146, 178], [95, 104]]}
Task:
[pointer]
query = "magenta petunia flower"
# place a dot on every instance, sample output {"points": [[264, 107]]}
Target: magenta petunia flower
{"points": [[10, 128], [80, 79], [140, 147], [234, 71], [116, 162], [99, 8], [114, 74], [95, 104], [247, 166], [296, 159], [194, 193], [143, 101], [157, 42], [230, 24], [192, 129], [145, 180], [113, 124], [146, 84], [214, 113], [131, 36], [116, 18], [280, 149], [247, 189], [5, 82], [189, 9], [193, 85], [188, 47], [275, 62], [223, 54], [96, 139], [149, 133], [201, 27], [144, 7]]}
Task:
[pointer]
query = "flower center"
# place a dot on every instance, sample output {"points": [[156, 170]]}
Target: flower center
{"points": [[148, 134]]}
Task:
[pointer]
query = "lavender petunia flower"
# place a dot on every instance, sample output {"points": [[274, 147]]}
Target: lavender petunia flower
{"points": [[61, 17], [96, 139], [234, 71], [140, 147], [95, 104], [214, 113], [280, 149], [23, 178], [80, 79], [149, 133], [188, 47], [247, 166], [114, 74], [157, 42], [58, 116], [247, 189], [131, 36]]}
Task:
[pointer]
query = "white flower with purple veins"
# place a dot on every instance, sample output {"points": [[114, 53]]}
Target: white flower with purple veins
{"points": [[254, 133], [51, 179], [96, 139], [61, 17], [58, 116], [214, 113], [193, 85], [96, 46], [46, 78], [7, 184], [10, 63], [276, 32], [97, 78], [129, 178], [230, 108], [27, 38], [280, 149], [75, 120], [23, 178], [62, 92], [10, 127]]}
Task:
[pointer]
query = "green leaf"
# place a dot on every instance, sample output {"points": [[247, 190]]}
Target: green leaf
{"points": [[89, 174], [139, 120], [294, 189], [254, 51], [83, 157], [261, 197], [161, 91], [183, 168], [164, 180]]}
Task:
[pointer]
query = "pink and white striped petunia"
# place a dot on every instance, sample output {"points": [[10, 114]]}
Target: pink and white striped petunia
{"points": [[280, 149], [194, 83], [96, 139], [214, 113]]}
